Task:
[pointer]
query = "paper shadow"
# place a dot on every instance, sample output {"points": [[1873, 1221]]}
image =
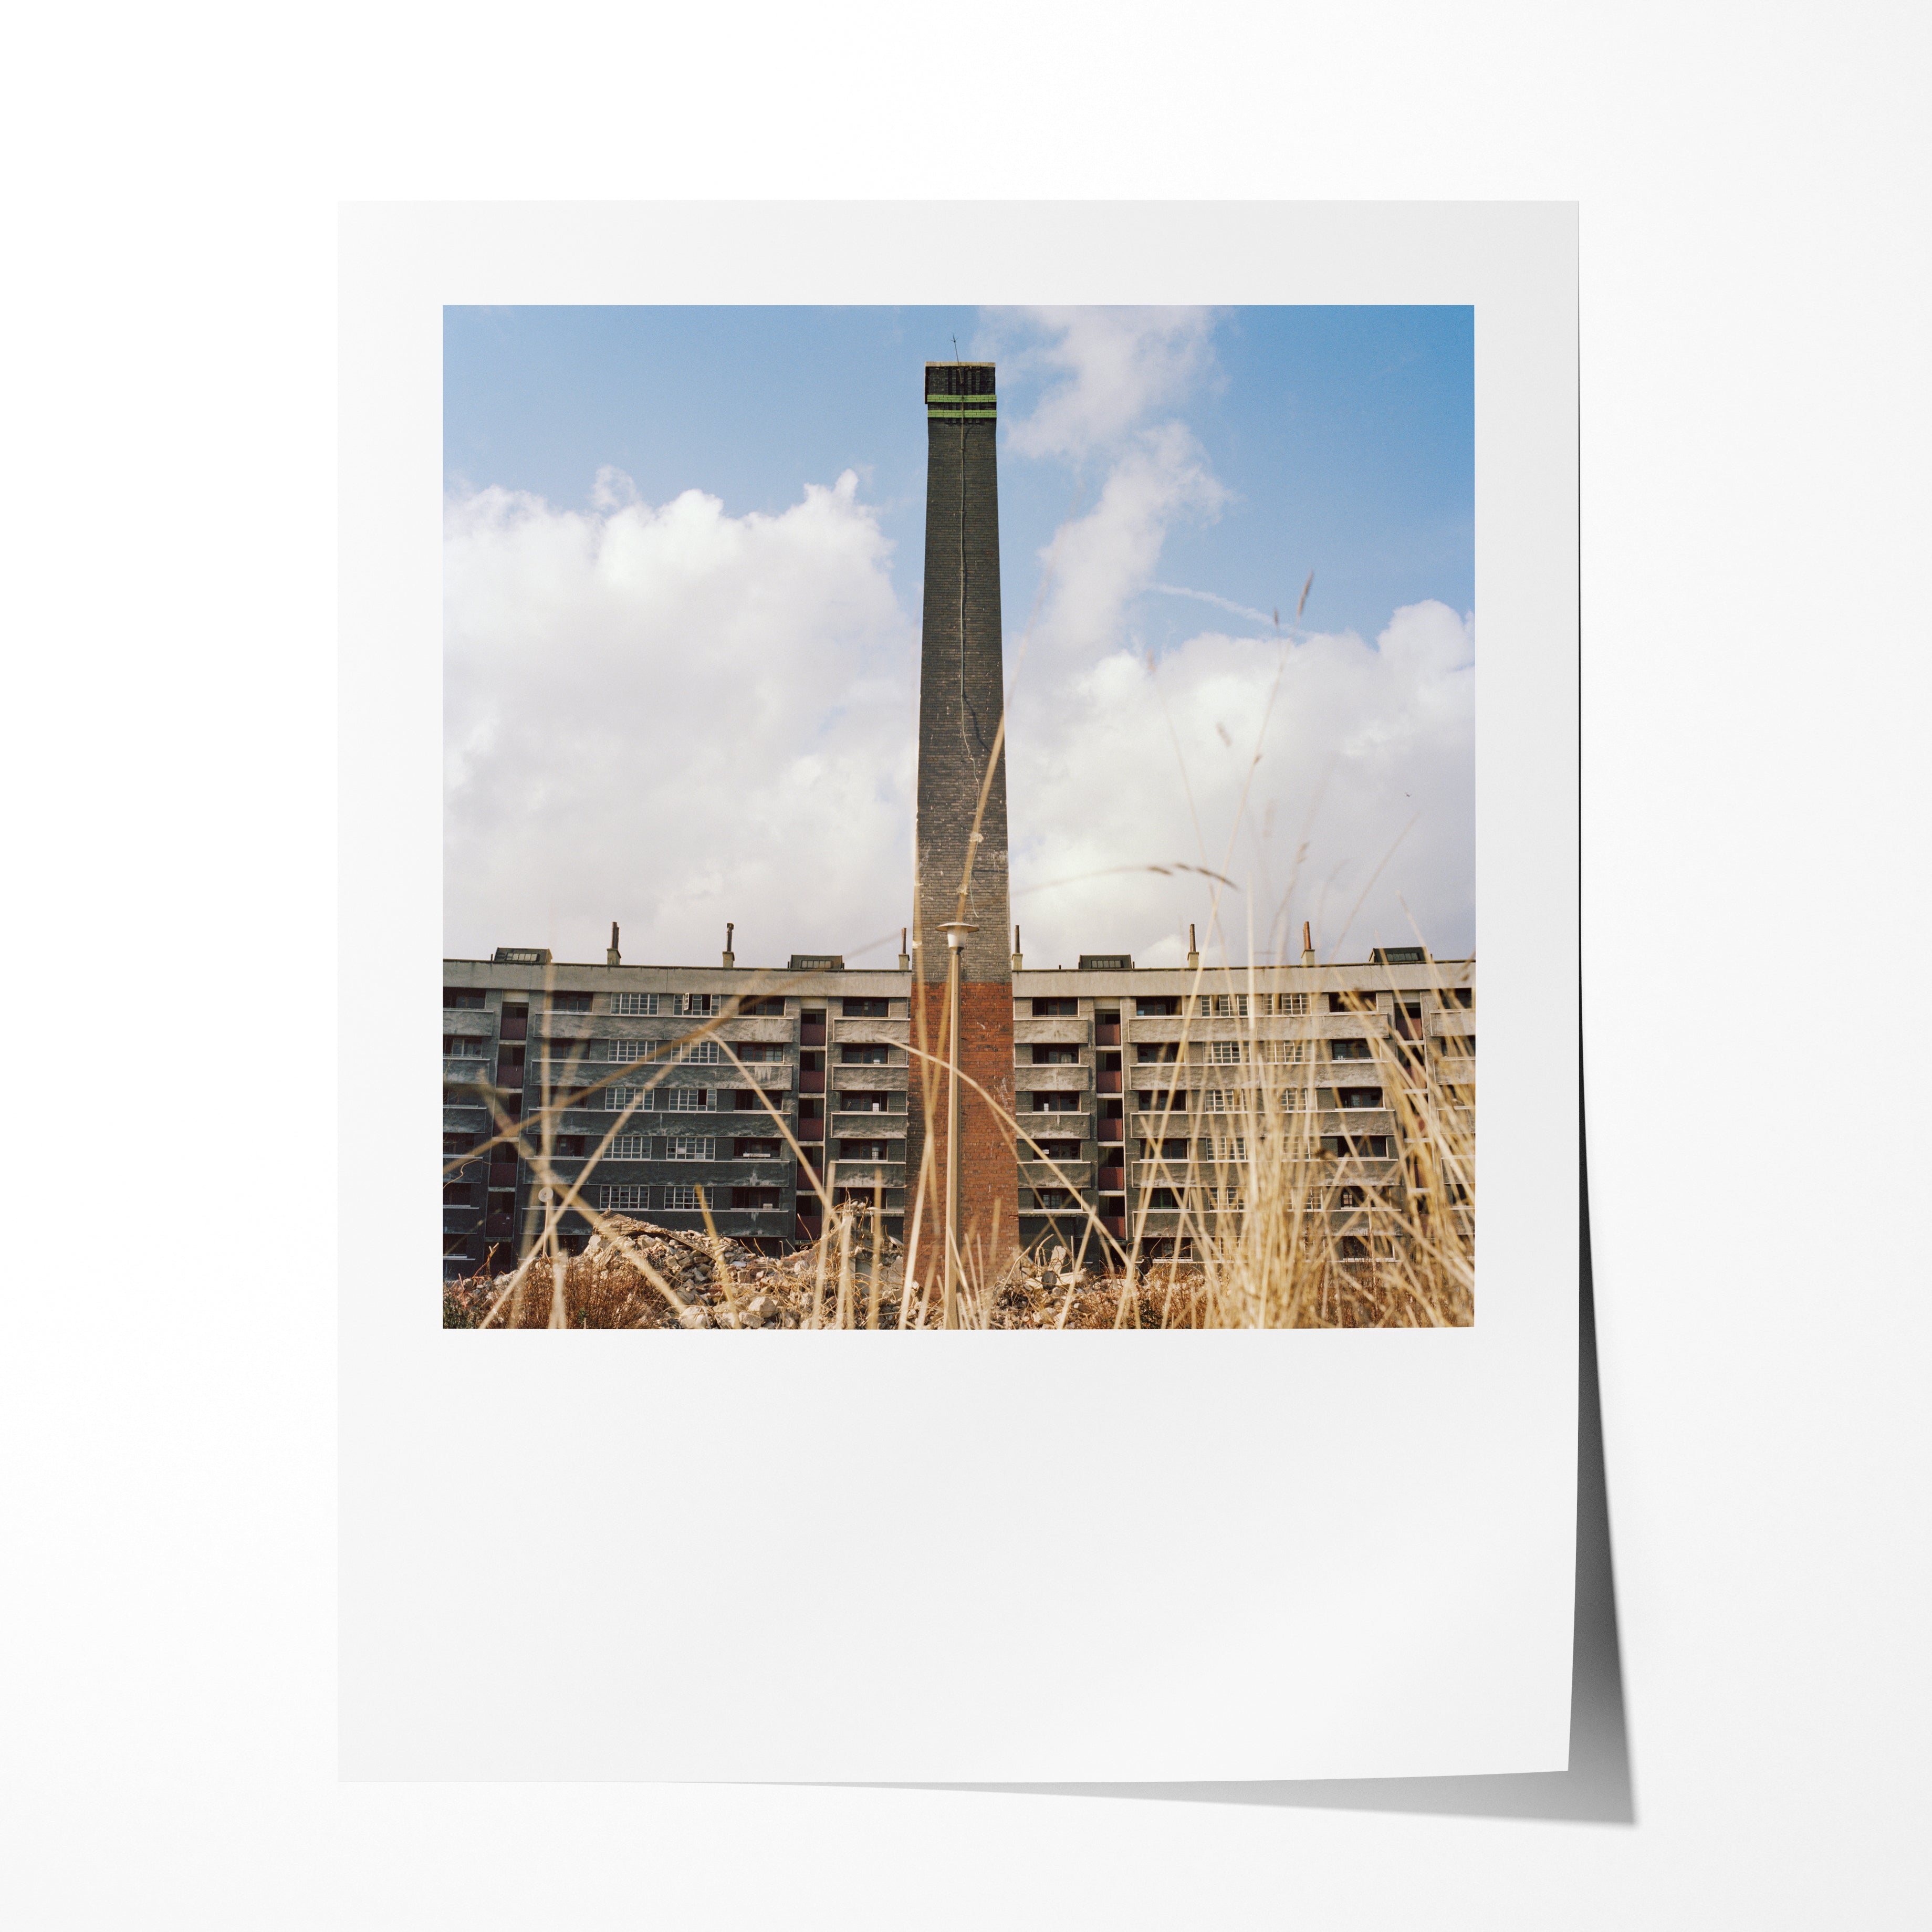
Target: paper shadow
{"points": [[1596, 1789]]}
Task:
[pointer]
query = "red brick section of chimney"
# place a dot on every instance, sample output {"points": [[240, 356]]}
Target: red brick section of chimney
{"points": [[962, 694]]}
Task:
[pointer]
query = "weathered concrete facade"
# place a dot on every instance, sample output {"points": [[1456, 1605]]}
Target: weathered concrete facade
{"points": [[1125, 1084]]}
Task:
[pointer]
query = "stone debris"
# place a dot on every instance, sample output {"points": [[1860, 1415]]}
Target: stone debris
{"points": [[724, 1284]]}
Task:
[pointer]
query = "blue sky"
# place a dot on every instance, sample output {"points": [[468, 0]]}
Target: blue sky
{"points": [[1345, 436], [682, 555]]}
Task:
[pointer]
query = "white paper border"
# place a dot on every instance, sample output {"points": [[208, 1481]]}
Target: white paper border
{"points": [[1073, 1557]]}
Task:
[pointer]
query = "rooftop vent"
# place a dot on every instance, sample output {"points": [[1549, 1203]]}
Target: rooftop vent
{"points": [[1106, 962], [1399, 955], [817, 962], [520, 956]]}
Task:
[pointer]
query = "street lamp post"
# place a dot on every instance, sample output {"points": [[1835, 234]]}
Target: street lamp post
{"points": [[956, 931]]}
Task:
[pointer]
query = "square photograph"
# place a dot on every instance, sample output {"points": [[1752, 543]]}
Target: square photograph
{"points": [[959, 817]]}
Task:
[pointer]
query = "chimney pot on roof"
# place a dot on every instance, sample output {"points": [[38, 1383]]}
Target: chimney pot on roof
{"points": [[1307, 946], [730, 958], [1193, 953], [613, 958]]}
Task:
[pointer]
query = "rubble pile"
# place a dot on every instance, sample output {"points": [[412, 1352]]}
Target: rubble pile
{"points": [[721, 1283]]}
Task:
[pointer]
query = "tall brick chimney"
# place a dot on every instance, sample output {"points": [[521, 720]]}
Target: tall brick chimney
{"points": [[962, 696]]}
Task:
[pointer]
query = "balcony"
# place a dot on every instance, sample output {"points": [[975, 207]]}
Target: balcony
{"points": [[872, 1032], [1056, 1174], [811, 1081], [1107, 1083], [1060, 1031], [1028, 1078]]}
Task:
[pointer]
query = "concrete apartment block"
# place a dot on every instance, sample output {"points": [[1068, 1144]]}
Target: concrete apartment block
{"points": [[1117, 1077], [961, 828]]}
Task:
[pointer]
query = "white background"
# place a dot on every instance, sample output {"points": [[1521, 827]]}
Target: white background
{"points": [[1360, 1545], [1753, 424]]}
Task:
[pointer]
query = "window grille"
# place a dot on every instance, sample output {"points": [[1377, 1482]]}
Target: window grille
{"points": [[684, 1099], [681, 1198], [1225, 1197], [616, 1099], [1283, 1052], [693, 1147], [641, 1003], [621, 1050], [1218, 1099], [706, 1003], [704, 1052], [1234, 1147], [1225, 1052], [624, 1194], [1287, 1003], [630, 1146], [461, 1046]]}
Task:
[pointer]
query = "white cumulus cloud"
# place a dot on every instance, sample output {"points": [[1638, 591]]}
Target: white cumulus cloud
{"points": [[1310, 774], [672, 717], [1113, 366]]}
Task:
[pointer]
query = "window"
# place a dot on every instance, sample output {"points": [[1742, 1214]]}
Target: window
{"points": [[1161, 1197], [1056, 1103], [706, 1003], [1289, 1099], [456, 996], [1155, 1006], [630, 1146], [1351, 1003], [568, 1146], [1157, 1052], [749, 1050], [1060, 1150], [570, 1003], [1224, 1005], [458, 1143], [1221, 1099], [616, 1099], [1463, 1045], [853, 1102], [623, 1050], [681, 1199], [684, 1100], [1350, 1049], [457, 1194], [764, 1009], [691, 1147], [1282, 1052], [861, 1150], [1398, 956], [865, 1009], [1055, 1056], [1359, 1097], [1458, 996], [623, 1194], [758, 1200], [1361, 1147], [1225, 1197], [754, 1151], [1287, 1003], [636, 1003], [870, 1054], [1174, 1151], [1348, 1197], [1051, 1197], [1225, 1052], [1051, 1009], [703, 1052], [464, 1046], [1229, 1147]]}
